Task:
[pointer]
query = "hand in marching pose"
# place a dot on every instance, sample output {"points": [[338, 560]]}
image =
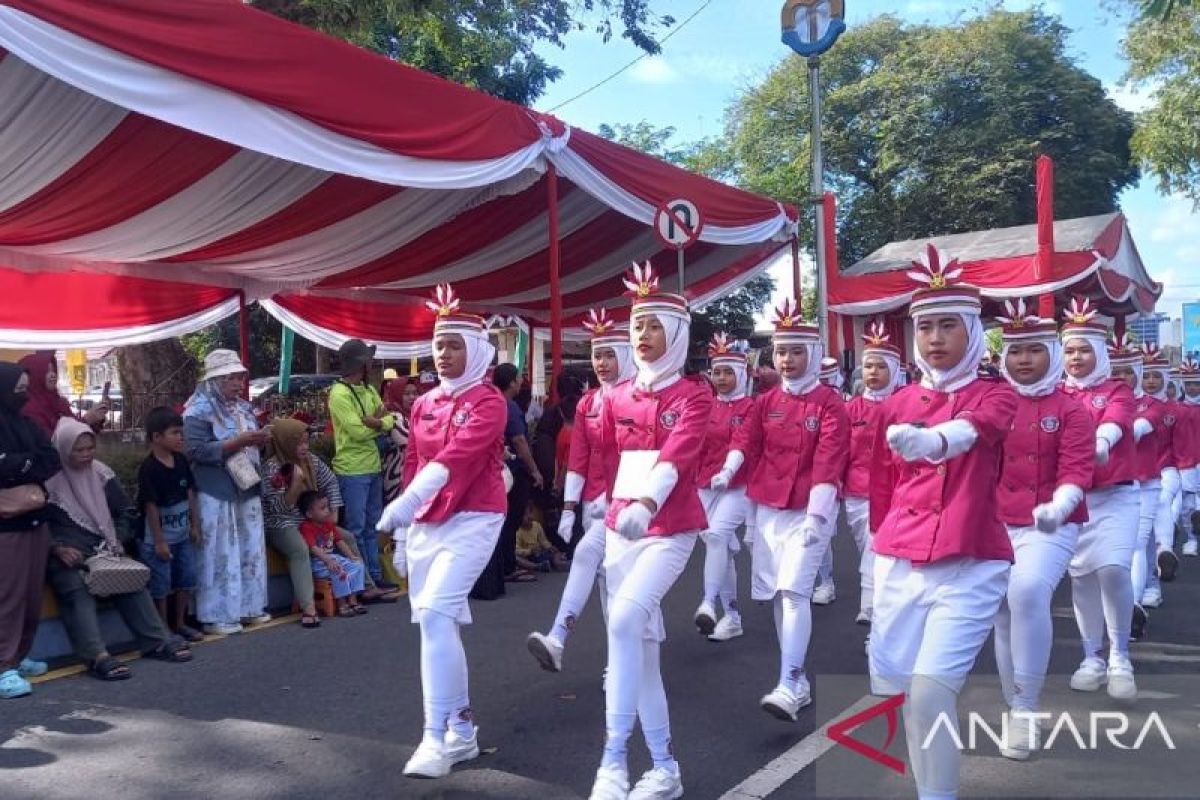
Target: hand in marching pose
{"points": [[587, 484]]}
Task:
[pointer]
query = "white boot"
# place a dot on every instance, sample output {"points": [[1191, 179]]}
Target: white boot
{"points": [[1091, 675], [1121, 685], [659, 783], [429, 761], [728, 628]]}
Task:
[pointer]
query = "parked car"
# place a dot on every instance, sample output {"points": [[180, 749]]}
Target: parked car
{"points": [[263, 389]]}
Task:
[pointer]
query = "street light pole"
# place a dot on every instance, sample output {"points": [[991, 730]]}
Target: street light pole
{"points": [[818, 191]]}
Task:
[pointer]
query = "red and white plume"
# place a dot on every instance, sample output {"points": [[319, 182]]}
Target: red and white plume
{"points": [[936, 269], [876, 334], [1018, 315], [444, 302], [1080, 311], [641, 280], [720, 345], [598, 323], [788, 314], [1189, 367], [1123, 344]]}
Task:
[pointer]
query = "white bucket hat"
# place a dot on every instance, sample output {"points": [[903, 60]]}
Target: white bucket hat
{"points": [[219, 363]]}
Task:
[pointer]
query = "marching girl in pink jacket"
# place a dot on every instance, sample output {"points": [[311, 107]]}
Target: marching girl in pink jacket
{"points": [[1189, 401], [653, 431], [586, 487], [446, 522], [801, 433], [825, 592], [1157, 464], [942, 555], [880, 376], [1101, 587], [1047, 466], [727, 461]]}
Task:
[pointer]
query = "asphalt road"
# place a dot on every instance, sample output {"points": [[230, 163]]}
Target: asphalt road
{"points": [[335, 712]]}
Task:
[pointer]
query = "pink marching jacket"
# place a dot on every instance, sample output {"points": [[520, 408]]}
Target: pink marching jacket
{"points": [[673, 421], [802, 440], [729, 428], [925, 512], [587, 450], [1052, 442], [1111, 401], [1186, 440], [1155, 452], [465, 435], [864, 416]]}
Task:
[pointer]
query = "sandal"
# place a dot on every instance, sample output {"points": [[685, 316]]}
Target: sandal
{"points": [[109, 669], [12, 685], [173, 650], [189, 633], [359, 609], [381, 596], [346, 611], [521, 577], [309, 621]]}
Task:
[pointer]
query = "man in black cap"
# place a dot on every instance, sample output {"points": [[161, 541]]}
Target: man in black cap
{"points": [[359, 419]]}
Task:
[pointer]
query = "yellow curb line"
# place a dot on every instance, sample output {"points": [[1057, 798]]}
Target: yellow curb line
{"points": [[134, 655]]}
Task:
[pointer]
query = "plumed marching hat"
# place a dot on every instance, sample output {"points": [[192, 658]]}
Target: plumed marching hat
{"points": [[445, 304], [790, 328], [642, 285], [940, 290], [1021, 326]]}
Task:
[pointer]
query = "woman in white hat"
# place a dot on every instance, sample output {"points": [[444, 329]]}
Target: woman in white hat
{"points": [[654, 427], [1047, 466], [586, 487], [223, 441], [446, 522], [1101, 586]]}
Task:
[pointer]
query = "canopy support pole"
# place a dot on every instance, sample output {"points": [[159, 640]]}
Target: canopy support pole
{"points": [[244, 337], [797, 286], [1043, 264], [830, 266], [555, 289], [1119, 326]]}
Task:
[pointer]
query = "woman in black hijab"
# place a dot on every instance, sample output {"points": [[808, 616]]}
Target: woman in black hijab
{"points": [[27, 461]]}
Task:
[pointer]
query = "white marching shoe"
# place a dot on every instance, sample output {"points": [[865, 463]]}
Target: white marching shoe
{"points": [[659, 783], [706, 618], [1022, 737], [728, 628], [1152, 597], [547, 650], [1121, 685], [428, 761], [824, 594], [1191, 547], [1090, 676], [459, 749], [784, 704], [864, 617], [612, 783]]}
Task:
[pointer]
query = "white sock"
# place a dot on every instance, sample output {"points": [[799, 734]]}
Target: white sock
{"points": [[652, 708], [935, 767], [1116, 591], [794, 615], [729, 589], [626, 628], [1031, 635], [443, 677], [585, 566], [825, 572], [716, 559], [1089, 613]]}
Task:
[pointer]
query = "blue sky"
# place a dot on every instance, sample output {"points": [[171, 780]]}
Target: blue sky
{"points": [[734, 43]]}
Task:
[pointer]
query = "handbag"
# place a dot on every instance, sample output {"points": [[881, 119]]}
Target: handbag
{"points": [[241, 467], [17, 501], [108, 573]]}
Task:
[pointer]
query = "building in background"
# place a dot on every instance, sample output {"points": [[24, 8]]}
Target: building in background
{"points": [[1146, 327], [1191, 330]]}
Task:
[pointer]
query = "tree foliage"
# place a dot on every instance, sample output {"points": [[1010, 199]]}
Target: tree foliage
{"points": [[1164, 55], [486, 44], [931, 130]]}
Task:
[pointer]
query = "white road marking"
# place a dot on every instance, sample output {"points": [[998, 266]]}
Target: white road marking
{"points": [[804, 752]]}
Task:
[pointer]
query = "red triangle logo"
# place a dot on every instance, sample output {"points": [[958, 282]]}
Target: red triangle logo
{"points": [[840, 732]]}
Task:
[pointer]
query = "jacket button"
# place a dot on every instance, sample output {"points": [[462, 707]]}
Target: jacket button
{"points": [[1032, 457], [941, 470]]}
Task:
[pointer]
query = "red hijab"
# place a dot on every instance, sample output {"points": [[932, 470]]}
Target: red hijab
{"points": [[45, 406]]}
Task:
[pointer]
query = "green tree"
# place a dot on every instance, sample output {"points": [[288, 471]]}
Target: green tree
{"points": [[1164, 55], [931, 130], [486, 44], [734, 314]]}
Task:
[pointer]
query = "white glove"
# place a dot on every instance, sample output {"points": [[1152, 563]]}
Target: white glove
{"points": [[633, 521], [566, 526], [425, 484], [913, 444], [1046, 518], [1049, 516], [400, 554], [720, 482], [1141, 426], [1102, 447]]}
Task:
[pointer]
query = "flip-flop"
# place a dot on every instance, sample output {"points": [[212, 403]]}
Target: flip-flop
{"points": [[109, 669], [309, 621], [189, 633], [521, 577], [359, 609], [385, 597], [346, 612]]}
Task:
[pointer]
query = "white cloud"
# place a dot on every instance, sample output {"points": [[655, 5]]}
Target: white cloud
{"points": [[1131, 98], [654, 69], [1174, 220]]}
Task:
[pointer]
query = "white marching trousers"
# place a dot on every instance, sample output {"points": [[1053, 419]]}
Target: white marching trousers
{"points": [[1148, 500], [1024, 626], [858, 519], [1101, 583], [587, 570], [726, 511]]}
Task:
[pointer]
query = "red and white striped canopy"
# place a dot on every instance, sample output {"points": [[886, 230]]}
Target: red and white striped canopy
{"points": [[203, 142]]}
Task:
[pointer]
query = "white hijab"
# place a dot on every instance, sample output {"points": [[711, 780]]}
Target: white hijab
{"points": [[739, 390], [1191, 401], [894, 377], [1043, 385], [1137, 373], [1101, 372], [1161, 394], [626, 369], [480, 353], [660, 374], [965, 370], [811, 376]]}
